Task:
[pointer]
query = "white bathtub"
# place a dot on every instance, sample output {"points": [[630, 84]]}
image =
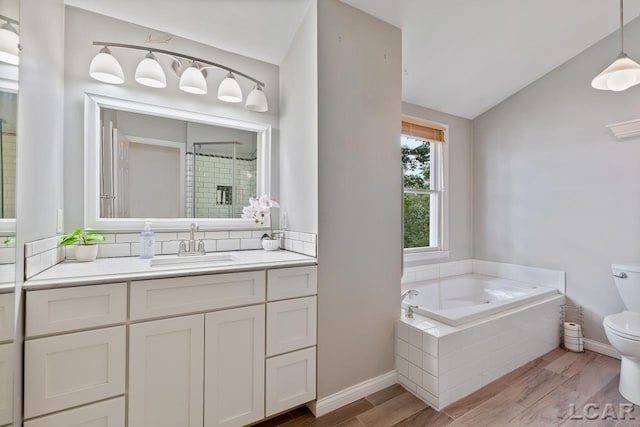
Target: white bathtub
{"points": [[460, 299]]}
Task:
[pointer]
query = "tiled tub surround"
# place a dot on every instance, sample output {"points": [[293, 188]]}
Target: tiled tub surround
{"points": [[442, 364], [43, 254]]}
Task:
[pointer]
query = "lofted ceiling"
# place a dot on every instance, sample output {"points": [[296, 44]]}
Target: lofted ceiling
{"points": [[463, 57], [260, 29]]}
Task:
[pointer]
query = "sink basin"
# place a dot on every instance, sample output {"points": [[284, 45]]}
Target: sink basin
{"points": [[191, 260]]}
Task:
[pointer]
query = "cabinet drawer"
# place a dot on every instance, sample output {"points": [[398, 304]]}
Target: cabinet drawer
{"points": [[68, 309], [73, 369], [291, 380], [165, 297], [291, 325], [292, 282], [104, 414], [7, 304]]}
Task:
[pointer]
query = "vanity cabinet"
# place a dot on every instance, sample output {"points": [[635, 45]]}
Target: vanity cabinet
{"points": [[202, 351], [7, 303]]}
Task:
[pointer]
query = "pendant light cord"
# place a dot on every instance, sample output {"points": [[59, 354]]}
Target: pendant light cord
{"points": [[621, 27]]}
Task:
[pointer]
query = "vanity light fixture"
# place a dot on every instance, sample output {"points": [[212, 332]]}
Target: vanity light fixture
{"points": [[149, 72], [9, 42], [192, 74], [105, 67], [229, 90], [257, 101], [623, 73], [192, 80]]}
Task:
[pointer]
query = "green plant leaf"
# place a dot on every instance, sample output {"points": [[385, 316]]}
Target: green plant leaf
{"points": [[92, 237]]}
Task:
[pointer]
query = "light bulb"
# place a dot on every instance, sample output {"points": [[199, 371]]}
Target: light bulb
{"points": [[192, 81], [229, 90], [257, 101], [149, 72], [106, 68]]}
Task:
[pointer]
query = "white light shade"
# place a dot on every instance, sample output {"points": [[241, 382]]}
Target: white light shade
{"points": [[192, 80], [150, 73], [106, 68], [9, 45], [621, 75], [257, 101], [229, 90]]}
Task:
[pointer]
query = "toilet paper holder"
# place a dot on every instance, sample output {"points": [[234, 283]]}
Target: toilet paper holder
{"points": [[572, 327]]}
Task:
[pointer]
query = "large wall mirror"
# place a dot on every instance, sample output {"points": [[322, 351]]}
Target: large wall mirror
{"points": [[172, 167]]}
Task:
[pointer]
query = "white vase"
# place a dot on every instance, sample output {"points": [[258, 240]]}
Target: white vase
{"points": [[86, 253], [270, 245]]}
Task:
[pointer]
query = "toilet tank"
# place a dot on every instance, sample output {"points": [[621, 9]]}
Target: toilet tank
{"points": [[629, 287]]}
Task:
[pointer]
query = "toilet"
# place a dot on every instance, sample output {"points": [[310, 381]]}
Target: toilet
{"points": [[623, 330]]}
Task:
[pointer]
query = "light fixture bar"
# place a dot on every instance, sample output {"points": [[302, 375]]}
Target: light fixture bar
{"points": [[9, 20], [179, 55]]}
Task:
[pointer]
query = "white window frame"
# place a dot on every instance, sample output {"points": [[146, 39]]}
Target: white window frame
{"points": [[438, 192]]}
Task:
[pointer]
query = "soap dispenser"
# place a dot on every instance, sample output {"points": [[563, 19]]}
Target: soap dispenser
{"points": [[147, 242]]}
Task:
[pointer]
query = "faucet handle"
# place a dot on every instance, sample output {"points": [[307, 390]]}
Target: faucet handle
{"points": [[182, 248], [200, 247]]}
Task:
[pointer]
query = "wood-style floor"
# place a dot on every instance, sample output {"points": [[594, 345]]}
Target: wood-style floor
{"points": [[537, 394]]}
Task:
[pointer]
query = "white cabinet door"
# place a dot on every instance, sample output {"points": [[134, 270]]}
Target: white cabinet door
{"points": [[234, 366], [70, 370], [291, 325], [109, 413], [291, 380], [6, 383], [166, 369]]}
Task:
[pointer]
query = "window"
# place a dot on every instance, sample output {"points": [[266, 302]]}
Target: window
{"points": [[423, 164]]}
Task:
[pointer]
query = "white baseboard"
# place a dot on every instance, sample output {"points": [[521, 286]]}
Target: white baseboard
{"points": [[337, 400], [601, 348]]}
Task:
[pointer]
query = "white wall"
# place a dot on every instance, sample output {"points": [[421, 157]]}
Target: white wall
{"points": [[39, 163], [299, 127], [359, 179], [553, 188], [458, 191], [40, 124], [83, 27]]}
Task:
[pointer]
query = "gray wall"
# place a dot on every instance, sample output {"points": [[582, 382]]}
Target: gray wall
{"points": [[458, 191], [553, 188], [299, 127], [83, 27], [39, 162], [359, 94]]}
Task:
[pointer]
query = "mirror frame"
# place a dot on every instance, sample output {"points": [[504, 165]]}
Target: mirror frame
{"points": [[92, 220], [8, 225]]}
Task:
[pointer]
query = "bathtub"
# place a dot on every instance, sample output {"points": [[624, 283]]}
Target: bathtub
{"points": [[461, 299]]}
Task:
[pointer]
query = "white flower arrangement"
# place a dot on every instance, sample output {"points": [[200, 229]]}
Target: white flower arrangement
{"points": [[259, 210]]}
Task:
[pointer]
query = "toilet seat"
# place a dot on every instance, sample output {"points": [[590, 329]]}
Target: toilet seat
{"points": [[625, 324]]}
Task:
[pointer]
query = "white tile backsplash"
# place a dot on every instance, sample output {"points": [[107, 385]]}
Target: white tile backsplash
{"points": [[41, 255]]}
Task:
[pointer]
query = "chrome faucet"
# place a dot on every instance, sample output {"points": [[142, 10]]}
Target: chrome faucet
{"points": [[192, 247], [410, 293]]}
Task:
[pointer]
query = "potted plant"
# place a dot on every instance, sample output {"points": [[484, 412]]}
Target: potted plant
{"points": [[259, 210], [85, 240]]}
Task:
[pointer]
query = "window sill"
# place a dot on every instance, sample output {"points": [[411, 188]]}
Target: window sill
{"points": [[413, 257]]}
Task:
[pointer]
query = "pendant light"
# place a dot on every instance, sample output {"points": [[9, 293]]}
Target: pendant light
{"points": [[623, 73], [229, 90], [9, 44], [257, 101], [192, 80], [149, 72], [105, 68]]}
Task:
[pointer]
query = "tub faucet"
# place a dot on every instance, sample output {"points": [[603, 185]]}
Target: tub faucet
{"points": [[192, 247], [410, 293]]}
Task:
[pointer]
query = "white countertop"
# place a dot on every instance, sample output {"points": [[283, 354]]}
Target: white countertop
{"points": [[109, 270]]}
